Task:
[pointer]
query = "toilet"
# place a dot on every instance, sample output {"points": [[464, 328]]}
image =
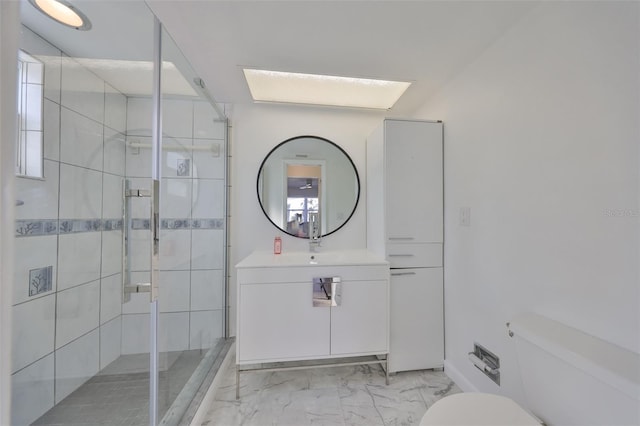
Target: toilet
{"points": [[569, 378], [480, 409]]}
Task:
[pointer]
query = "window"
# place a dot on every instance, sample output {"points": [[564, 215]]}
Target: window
{"points": [[29, 152]]}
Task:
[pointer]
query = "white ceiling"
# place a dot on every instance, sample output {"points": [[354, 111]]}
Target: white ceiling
{"points": [[425, 42]]}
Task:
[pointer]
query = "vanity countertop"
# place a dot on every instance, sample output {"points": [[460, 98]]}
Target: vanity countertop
{"points": [[263, 259]]}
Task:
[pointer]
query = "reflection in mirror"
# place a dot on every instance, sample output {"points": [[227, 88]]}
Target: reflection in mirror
{"points": [[305, 176]]}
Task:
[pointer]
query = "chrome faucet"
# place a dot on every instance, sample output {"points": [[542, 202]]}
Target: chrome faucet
{"points": [[314, 231]]}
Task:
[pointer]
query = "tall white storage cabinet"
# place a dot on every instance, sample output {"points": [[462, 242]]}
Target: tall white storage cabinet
{"points": [[405, 224]]}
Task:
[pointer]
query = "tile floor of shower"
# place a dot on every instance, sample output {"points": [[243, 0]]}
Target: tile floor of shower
{"points": [[326, 396], [119, 394]]}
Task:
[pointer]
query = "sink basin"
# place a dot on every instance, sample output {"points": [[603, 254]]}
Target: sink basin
{"points": [[299, 258]]}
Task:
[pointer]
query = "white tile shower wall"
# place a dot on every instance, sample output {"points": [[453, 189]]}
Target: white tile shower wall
{"points": [[173, 334], [209, 164], [80, 193], [77, 312], [110, 341], [206, 327], [138, 160], [207, 249], [111, 196], [177, 158], [207, 194], [81, 138], [32, 391], [175, 198], [110, 298], [115, 109], [174, 291], [78, 259], [207, 290], [138, 112], [135, 332], [192, 210], [114, 152], [36, 337], [76, 363], [175, 249], [111, 253]]}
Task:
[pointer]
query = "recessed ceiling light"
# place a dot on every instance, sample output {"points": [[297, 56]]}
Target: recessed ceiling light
{"points": [[276, 86], [63, 12]]}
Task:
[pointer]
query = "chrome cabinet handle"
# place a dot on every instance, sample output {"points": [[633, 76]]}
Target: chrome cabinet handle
{"points": [[401, 255], [327, 291], [398, 274], [401, 238]]}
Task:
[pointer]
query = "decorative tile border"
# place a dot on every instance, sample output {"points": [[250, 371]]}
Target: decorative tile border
{"points": [[39, 227], [177, 224]]}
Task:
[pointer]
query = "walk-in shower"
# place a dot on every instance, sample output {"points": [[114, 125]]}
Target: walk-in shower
{"points": [[92, 344]]}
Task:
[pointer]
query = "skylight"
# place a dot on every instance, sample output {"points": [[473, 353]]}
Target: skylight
{"points": [[314, 89]]}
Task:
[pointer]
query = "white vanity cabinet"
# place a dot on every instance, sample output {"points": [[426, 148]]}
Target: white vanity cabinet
{"points": [[405, 225], [277, 319]]}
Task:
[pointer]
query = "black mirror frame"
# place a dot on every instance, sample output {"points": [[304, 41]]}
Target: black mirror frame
{"points": [[355, 170]]}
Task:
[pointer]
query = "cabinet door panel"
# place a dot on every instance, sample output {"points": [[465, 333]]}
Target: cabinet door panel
{"points": [[417, 324], [414, 181], [414, 255], [360, 324], [279, 322]]}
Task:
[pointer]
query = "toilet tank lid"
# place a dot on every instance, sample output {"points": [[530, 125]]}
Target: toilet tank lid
{"points": [[612, 364]]}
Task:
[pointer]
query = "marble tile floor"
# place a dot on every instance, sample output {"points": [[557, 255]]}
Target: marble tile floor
{"points": [[326, 396]]}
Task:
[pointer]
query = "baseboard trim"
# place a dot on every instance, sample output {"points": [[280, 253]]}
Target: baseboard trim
{"points": [[454, 374]]}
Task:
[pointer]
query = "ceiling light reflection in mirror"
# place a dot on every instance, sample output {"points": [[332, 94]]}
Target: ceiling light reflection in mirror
{"points": [[132, 78]]}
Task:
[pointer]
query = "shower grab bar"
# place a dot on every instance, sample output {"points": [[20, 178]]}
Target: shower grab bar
{"points": [[214, 148]]}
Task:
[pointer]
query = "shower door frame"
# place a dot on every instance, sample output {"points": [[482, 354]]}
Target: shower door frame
{"points": [[156, 171], [155, 215]]}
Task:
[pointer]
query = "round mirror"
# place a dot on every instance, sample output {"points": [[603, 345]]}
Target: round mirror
{"points": [[308, 179]]}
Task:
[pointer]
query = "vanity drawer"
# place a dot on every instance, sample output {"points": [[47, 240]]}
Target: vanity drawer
{"points": [[307, 274], [407, 255]]}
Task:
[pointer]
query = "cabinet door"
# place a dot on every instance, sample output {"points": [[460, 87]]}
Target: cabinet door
{"points": [[279, 322], [413, 153], [360, 324], [417, 324]]}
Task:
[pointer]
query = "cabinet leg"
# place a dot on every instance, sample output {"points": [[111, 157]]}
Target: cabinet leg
{"points": [[237, 382], [386, 370]]}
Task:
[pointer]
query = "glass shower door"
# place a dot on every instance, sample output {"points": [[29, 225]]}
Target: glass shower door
{"points": [[192, 236], [80, 317]]}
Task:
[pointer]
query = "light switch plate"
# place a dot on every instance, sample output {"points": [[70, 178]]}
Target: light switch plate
{"points": [[465, 216]]}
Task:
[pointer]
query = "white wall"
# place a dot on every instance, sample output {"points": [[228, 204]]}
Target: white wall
{"points": [[541, 142], [256, 130]]}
